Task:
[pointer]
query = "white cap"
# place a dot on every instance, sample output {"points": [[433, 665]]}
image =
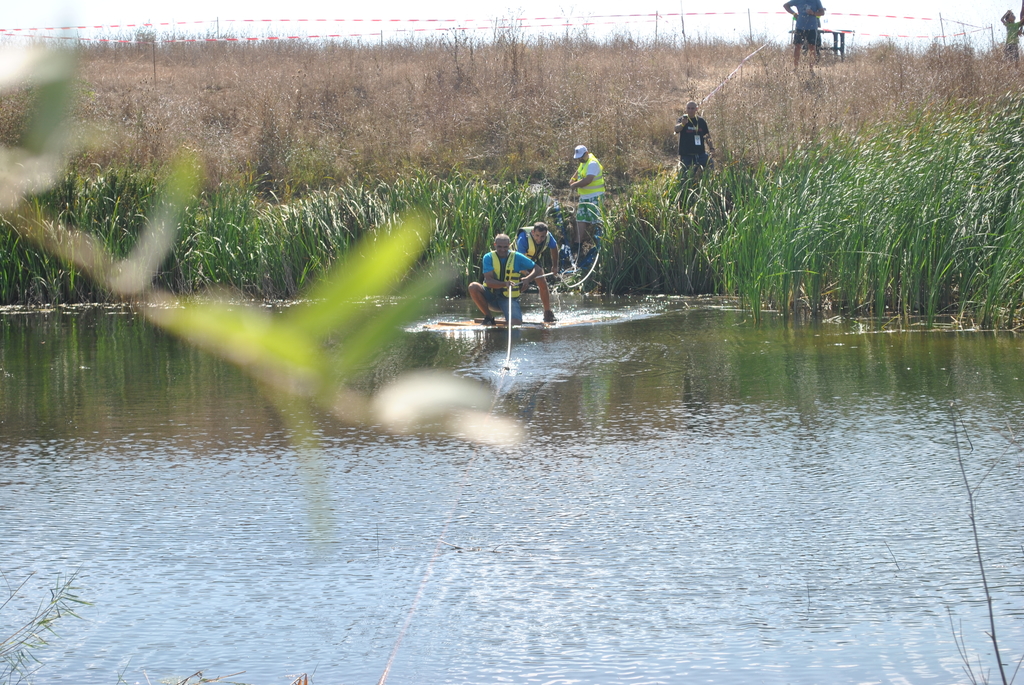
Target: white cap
{"points": [[580, 151]]}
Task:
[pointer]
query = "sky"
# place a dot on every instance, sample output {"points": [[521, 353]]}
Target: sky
{"points": [[731, 19]]}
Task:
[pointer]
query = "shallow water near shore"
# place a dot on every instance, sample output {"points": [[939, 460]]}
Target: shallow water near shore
{"points": [[698, 500]]}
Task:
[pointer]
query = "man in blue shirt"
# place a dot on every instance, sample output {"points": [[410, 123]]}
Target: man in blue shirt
{"points": [[806, 29], [503, 270], [537, 243]]}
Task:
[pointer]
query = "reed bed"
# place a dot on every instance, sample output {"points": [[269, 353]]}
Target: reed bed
{"points": [[232, 236], [656, 238], [918, 218]]}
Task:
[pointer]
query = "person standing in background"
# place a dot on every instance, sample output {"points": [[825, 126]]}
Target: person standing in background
{"points": [[1013, 30], [588, 181], [805, 32], [694, 141], [537, 243]]}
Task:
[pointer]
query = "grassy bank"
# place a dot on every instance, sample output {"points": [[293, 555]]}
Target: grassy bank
{"points": [[923, 217], [887, 184]]}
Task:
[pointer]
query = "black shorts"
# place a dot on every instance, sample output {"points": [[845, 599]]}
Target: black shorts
{"points": [[808, 36], [699, 159]]}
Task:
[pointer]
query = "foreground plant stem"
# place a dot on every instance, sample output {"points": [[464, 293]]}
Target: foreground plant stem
{"points": [[977, 543]]}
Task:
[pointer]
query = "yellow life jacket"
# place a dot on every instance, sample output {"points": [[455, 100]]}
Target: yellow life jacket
{"points": [[500, 274], [597, 185], [534, 251]]}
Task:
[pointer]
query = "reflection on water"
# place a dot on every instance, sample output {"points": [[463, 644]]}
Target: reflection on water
{"points": [[697, 500]]}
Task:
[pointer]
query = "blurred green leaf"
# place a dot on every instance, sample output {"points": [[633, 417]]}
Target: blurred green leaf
{"points": [[371, 269], [136, 273], [52, 105], [251, 338], [50, 73], [32, 167], [368, 339]]}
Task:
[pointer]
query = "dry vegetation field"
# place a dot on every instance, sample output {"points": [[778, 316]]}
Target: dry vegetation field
{"points": [[309, 115]]}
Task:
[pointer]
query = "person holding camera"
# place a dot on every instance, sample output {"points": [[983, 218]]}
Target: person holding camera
{"points": [[694, 141]]}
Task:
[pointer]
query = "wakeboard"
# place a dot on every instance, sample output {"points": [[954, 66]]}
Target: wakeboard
{"points": [[500, 324]]}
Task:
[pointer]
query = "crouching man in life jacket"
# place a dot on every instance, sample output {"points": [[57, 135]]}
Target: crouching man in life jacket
{"points": [[537, 243], [503, 268]]}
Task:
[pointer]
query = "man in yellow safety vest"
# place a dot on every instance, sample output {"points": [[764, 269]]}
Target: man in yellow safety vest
{"points": [[505, 273], [588, 181], [537, 243]]}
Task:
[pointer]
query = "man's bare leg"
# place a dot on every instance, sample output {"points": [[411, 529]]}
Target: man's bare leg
{"points": [[545, 299], [545, 294], [476, 293], [582, 229]]}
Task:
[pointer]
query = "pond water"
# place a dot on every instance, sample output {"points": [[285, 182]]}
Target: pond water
{"points": [[699, 500]]}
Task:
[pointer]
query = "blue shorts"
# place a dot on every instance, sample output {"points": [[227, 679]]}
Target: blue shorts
{"points": [[497, 301], [688, 161]]}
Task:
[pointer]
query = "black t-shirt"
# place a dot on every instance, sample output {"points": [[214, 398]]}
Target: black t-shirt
{"points": [[691, 137]]}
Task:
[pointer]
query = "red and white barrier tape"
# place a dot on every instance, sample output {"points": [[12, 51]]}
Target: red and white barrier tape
{"points": [[374, 34], [455, 24], [489, 22]]}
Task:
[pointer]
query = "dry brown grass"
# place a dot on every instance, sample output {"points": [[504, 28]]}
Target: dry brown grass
{"points": [[305, 114]]}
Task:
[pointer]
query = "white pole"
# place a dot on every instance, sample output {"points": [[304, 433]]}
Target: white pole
{"points": [[508, 324]]}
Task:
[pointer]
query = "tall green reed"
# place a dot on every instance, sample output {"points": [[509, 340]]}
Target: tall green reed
{"points": [[655, 240], [232, 236], [916, 218], [112, 205]]}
